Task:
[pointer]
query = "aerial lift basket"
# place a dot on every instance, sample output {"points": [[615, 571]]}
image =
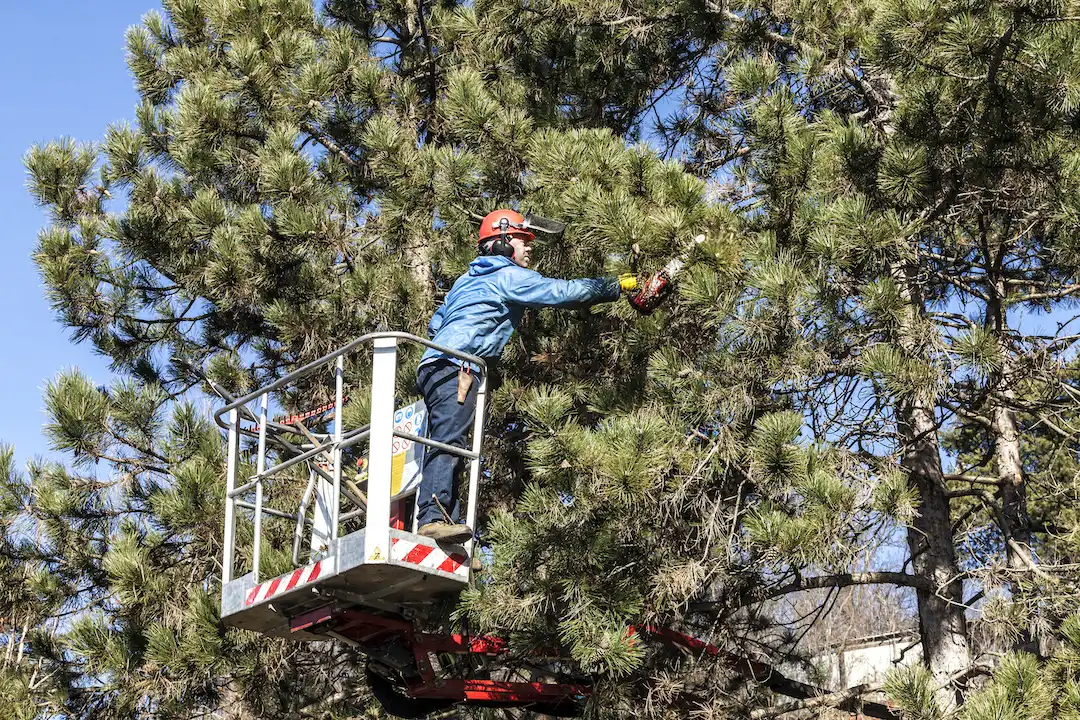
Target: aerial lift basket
{"points": [[376, 565]]}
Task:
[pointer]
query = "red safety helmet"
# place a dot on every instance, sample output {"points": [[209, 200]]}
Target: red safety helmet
{"points": [[502, 224]]}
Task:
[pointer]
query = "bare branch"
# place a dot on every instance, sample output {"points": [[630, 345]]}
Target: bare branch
{"points": [[1067, 291], [330, 145], [841, 700], [826, 581], [977, 479], [967, 414]]}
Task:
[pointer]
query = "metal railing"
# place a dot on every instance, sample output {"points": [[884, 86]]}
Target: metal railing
{"points": [[327, 492]]}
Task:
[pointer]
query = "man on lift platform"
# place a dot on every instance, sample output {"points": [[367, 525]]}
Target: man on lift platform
{"points": [[478, 316]]}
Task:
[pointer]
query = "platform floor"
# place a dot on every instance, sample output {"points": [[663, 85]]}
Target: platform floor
{"points": [[416, 573]]}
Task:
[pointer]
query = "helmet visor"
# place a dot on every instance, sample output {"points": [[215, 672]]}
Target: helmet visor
{"points": [[544, 225]]}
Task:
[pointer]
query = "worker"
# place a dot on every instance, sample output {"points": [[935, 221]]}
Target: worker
{"points": [[479, 314]]}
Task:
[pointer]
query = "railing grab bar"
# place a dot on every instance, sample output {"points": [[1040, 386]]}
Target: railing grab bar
{"points": [[316, 364], [460, 452]]}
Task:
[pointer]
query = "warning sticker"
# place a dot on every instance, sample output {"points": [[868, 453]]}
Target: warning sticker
{"points": [[407, 456], [377, 554]]}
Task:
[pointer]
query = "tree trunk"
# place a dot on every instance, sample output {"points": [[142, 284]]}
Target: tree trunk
{"points": [[1003, 427], [942, 624], [1005, 433], [232, 705], [417, 255], [1010, 474], [1016, 528]]}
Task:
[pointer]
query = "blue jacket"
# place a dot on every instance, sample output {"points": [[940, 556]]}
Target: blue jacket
{"points": [[485, 305]]}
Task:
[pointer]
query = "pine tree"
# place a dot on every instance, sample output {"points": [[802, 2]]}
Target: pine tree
{"points": [[909, 167], [879, 182], [293, 180], [1022, 686]]}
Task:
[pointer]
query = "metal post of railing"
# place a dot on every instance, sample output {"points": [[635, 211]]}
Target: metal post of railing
{"points": [[305, 500], [380, 449], [228, 555], [260, 468], [339, 425], [474, 464]]}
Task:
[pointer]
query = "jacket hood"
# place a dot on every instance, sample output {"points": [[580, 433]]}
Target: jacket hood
{"points": [[488, 264]]}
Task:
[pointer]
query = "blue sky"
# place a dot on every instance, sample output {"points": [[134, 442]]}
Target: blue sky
{"points": [[62, 73]]}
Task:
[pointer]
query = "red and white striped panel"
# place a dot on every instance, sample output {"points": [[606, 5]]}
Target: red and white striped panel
{"points": [[428, 557], [284, 583]]}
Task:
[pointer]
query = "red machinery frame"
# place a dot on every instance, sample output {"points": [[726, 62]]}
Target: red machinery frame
{"points": [[367, 630]]}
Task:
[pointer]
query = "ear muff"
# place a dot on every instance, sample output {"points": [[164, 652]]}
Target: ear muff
{"points": [[498, 246], [501, 244]]}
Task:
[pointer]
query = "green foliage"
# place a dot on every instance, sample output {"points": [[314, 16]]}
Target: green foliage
{"points": [[894, 497], [1024, 687], [1017, 691], [773, 452], [80, 412], [980, 349], [912, 687], [879, 182]]}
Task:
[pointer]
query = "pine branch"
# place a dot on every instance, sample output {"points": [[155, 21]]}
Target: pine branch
{"points": [[772, 679], [819, 582], [859, 83], [767, 675], [966, 492], [140, 465], [960, 282], [978, 479], [330, 145], [629, 19], [140, 449], [999, 53], [967, 414], [716, 7], [165, 321], [1064, 292], [1006, 529], [841, 700]]}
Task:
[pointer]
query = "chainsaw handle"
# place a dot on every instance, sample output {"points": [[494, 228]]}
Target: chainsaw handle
{"points": [[648, 295]]}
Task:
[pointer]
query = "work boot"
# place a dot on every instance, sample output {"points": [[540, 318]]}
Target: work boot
{"points": [[440, 531]]}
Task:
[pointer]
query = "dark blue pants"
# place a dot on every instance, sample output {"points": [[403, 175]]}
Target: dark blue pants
{"points": [[448, 422]]}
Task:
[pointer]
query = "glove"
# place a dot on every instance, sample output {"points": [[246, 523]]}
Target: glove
{"points": [[628, 282]]}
